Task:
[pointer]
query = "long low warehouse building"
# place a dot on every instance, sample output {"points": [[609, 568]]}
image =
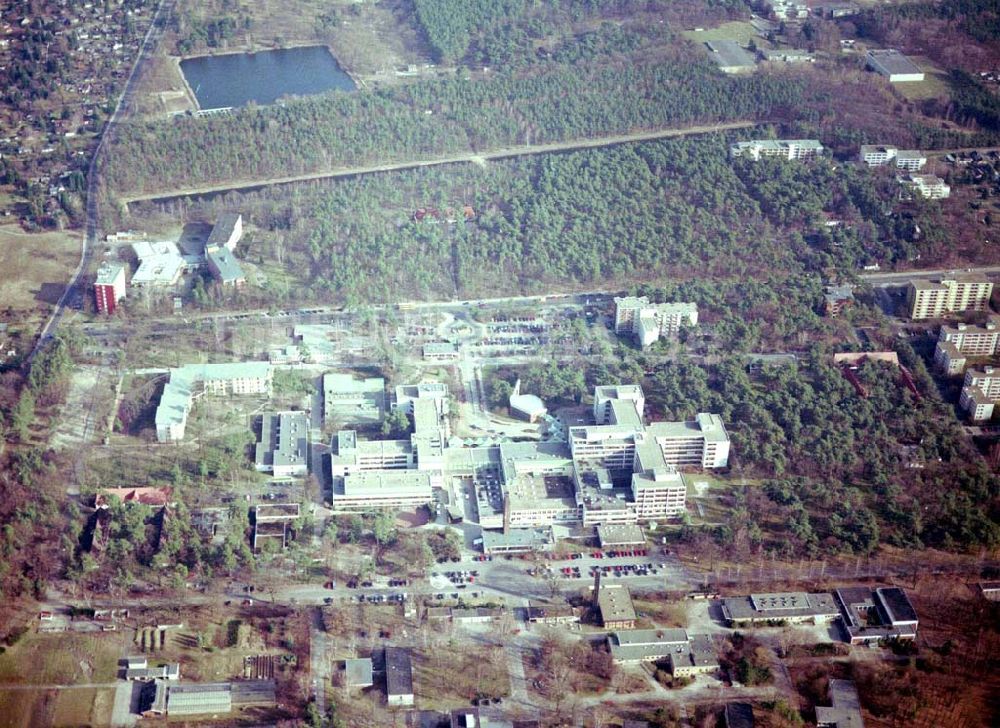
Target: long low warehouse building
{"points": [[372, 489], [791, 607]]}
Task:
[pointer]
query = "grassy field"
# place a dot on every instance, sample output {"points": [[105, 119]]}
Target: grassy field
{"points": [[7, 199], [665, 614], [164, 89], [24, 709], [740, 31], [705, 498], [90, 706], [63, 658], [935, 83], [56, 708], [36, 267], [450, 675]]}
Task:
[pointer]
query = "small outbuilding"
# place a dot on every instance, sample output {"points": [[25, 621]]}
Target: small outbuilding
{"points": [[358, 673]]}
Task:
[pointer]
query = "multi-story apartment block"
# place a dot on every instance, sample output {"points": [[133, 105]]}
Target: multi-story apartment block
{"points": [[974, 340], [928, 186], [836, 298], [650, 321], [109, 288], [912, 160], [788, 9], [957, 343], [986, 379], [930, 299], [878, 156], [189, 382], [980, 393], [228, 379], [783, 148]]}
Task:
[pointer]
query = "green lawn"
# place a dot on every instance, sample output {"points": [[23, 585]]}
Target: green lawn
{"points": [[740, 31], [935, 84]]}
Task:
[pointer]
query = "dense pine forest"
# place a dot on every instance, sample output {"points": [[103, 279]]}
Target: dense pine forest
{"points": [[436, 117], [605, 217]]}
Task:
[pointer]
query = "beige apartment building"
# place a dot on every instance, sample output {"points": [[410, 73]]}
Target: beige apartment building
{"points": [[980, 393], [930, 299], [957, 343]]}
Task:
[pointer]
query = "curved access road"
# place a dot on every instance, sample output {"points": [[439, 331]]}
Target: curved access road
{"points": [[458, 158], [92, 230]]}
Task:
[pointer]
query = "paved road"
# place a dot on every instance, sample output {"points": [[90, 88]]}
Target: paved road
{"points": [[514, 652], [318, 660], [320, 314], [121, 712], [74, 686], [877, 279], [89, 240], [473, 157]]}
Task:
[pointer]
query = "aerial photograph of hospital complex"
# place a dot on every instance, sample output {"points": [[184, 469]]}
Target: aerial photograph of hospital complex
{"points": [[500, 363]]}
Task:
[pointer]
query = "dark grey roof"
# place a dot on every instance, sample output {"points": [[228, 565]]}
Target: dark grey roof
{"points": [[897, 604], [892, 61], [284, 440], [739, 715], [223, 229], [729, 54], [398, 671]]}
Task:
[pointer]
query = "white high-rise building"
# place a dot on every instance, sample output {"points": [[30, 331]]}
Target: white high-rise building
{"points": [[783, 148], [650, 321]]}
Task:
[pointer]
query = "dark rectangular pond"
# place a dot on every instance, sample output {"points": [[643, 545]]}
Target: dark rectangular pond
{"points": [[236, 79]]}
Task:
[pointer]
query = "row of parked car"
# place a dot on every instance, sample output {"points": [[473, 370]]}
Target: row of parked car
{"points": [[626, 570], [613, 554], [455, 595], [460, 577], [382, 598]]}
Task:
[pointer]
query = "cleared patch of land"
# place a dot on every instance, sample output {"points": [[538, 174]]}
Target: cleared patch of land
{"points": [[451, 675], [740, 31], [63, 658], [90, 706], [163, 90], [35, 267], [935, 83]]}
